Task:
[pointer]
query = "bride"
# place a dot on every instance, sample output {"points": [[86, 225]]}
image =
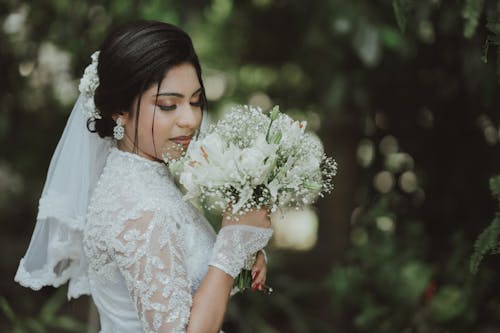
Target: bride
{"points": [[111, 220]]}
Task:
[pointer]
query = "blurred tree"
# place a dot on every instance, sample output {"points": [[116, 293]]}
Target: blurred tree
{"points": [[398, 90]]}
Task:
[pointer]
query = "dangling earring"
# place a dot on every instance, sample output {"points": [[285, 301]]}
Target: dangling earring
{"points": [[118, 130]]}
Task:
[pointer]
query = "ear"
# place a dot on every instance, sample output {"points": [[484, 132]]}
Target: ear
{"points": [[123, 115]]}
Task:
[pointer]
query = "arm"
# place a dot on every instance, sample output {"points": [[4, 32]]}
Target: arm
{"points": [[233, 245], [150, 255], [211, 298], [210, 302]]}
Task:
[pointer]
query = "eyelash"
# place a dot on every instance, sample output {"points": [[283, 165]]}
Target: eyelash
{"points": [[172, 107]]}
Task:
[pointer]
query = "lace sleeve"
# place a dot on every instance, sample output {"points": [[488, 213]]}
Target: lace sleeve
{"points": [[150, 257], [235, 243]]}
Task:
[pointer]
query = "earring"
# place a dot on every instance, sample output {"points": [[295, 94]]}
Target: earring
{"points": [[118, 130]]}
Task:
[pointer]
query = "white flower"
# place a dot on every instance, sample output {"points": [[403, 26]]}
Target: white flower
{"points": [[209, 163], [193, 189], [249, 160], [88, 85], [257, 161]]}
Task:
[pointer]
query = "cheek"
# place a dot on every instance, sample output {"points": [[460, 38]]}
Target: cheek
{"points": [[163, 125], [145, 124], [200, 117]]}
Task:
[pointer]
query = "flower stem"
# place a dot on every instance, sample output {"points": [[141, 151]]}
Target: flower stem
{"points": [[273, 115], [244, 281]]}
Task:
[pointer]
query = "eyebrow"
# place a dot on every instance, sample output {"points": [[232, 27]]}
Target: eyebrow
{"points": [[176, 94]]}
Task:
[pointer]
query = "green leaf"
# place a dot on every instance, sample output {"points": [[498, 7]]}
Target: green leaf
{"points": [[6, 309], [276, 138], [391, 38], [50, 308], [415, 276], [312, 186], [449, 303], [35, 325], [19, 329], [498, 62], [68, 324], [495, 186], [401, 11], [486, 47], [370, 313], [485, 243], [275, 112], [493, 24], [471, 13], [343, 280]]}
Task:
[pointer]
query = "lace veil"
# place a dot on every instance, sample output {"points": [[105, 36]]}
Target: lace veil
{"points": [[55, 254]]}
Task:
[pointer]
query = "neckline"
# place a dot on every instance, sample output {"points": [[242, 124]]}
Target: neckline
{"points": [[158, 166]]}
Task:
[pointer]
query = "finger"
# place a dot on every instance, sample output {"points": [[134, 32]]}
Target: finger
{"points": [[259, 283], [261, 278], [257, 269], [260, 254], [258, 266]]}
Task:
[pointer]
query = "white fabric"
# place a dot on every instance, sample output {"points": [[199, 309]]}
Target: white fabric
{"points": [[54, 255], [128, 239], [148, 249], [235, 243]]}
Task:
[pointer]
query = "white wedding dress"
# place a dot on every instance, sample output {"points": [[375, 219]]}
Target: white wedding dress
{"points": [[124, 235], [148, 250]]}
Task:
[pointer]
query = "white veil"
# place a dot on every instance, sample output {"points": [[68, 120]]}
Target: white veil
{"points": [[55, 254]]}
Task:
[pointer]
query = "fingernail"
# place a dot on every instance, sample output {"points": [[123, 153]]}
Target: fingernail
{"points": [[254, 274]]}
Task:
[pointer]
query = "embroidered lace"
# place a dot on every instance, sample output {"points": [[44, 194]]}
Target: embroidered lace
{"points": [[144, 243]]}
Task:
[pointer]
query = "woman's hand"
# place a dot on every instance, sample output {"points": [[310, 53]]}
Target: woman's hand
{"points": [[256, 218], [259, 272]]}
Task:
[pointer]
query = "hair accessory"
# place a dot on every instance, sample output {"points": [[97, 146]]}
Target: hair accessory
{"points": [[87, 87], [118, 130]]}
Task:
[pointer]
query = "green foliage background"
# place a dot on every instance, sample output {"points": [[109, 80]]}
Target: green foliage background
{"points": [[393, 88]]}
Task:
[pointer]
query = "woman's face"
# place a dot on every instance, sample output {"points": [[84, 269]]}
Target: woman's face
{"points": [[168, 117]]}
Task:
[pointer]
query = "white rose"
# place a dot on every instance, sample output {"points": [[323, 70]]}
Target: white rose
{"points": [[258, 161], [186, 179]]}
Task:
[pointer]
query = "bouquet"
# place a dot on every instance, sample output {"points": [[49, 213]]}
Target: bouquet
{"points": [[250, 160]]}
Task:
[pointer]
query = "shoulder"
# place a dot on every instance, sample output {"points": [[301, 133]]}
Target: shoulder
{"points": [[130, 187], [128, 181]]}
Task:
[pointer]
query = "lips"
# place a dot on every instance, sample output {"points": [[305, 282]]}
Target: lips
{"points": [[182, 140]]}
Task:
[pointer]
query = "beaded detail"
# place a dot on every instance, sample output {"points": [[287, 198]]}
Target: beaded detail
{"points": [[144, 238], [139, 229]]}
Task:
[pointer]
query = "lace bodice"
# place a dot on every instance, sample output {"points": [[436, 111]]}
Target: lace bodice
{"points": [[148, 250], [145, 244]]}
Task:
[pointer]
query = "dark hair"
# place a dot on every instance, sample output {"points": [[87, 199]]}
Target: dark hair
{"points": [[132, 58]]}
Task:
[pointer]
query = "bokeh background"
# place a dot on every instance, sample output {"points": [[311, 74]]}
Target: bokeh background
{"points": [[404, 94]]}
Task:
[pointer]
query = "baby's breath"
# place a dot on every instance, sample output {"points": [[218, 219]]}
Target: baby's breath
{"points": [[250, 159]]}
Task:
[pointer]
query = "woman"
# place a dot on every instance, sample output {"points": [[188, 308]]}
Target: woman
{"points": [[122, 232]]}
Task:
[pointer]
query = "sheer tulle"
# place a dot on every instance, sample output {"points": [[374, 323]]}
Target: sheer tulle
{"points": [[55, 252]]}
